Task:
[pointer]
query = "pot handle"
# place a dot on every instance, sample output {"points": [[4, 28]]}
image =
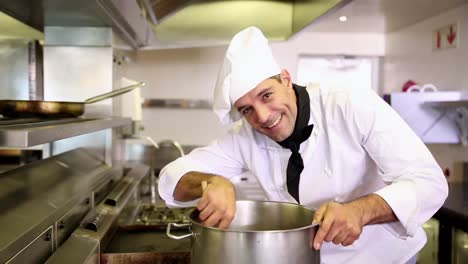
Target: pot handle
{"points": [[168, 231]]}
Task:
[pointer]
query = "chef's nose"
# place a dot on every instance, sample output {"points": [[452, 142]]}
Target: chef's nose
{"points": [[262, 113]]}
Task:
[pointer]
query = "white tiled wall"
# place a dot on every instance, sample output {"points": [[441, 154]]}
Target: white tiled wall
{"points": [[409, 55]]}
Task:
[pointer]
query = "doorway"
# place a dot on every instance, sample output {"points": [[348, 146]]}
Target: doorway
{"points": [[359, 72]]}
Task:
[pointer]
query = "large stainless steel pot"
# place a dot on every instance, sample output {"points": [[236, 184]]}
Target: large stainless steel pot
{"points": [[261, 232]]}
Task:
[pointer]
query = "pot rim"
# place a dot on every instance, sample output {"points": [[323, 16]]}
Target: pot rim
{"points": [[193, 222]]}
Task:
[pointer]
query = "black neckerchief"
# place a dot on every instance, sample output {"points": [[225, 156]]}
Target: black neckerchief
{"points": [[301, 133]]}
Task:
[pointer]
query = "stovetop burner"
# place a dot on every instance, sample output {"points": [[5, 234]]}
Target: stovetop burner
{"points": [[151, 215], [157, 218]]}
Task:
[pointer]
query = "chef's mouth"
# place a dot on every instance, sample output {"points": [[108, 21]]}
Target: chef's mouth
{"points": [[275, 123]]}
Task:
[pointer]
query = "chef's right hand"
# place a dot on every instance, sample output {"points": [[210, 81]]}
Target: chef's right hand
{"points": [[217, 205]]}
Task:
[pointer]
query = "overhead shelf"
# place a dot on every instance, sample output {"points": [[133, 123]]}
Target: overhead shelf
{"points": [[447, 104], [460, 108], [31, 132], [177, 103]]}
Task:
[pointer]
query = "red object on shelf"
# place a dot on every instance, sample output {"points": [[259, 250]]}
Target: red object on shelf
{"points": [[407, 85], [447, 172]]}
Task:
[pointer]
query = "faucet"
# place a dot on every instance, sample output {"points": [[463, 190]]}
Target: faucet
{"points": [[150, 139], [173, 143], [166, 142], [153, 182]]}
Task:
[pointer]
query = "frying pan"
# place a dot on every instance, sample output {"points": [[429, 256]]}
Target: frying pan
{"points": [[30, 108]]}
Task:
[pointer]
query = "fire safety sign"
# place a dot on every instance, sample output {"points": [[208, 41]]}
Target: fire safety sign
{"points": [[445, 37]]}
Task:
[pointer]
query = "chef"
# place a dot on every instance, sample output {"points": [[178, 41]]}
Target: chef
{"points": [[341, 150]]}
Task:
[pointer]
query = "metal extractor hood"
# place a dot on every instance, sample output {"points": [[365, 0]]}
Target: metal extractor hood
{"points": [[215, 22], [124, 16]]}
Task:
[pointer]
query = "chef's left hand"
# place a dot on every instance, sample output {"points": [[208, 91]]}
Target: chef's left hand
{"points": [[339, 223]]}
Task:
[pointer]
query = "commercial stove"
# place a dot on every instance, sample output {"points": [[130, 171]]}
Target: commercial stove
{"points": [[73, 208], [141, 236]]}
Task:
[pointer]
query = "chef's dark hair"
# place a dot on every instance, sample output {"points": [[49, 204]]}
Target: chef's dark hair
{"points": [[276, 77]]}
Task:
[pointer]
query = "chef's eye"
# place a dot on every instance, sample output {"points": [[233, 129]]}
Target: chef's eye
{"points": [[246, 110], [267, 95]]}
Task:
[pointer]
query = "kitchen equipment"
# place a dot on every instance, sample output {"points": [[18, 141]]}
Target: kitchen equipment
{"points": [[261, 232], [146, 257], [156, 218], [428, 87], [432, 125], [30, 108]]}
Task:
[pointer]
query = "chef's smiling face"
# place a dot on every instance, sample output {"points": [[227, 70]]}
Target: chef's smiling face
{"points": [[270, 108]]}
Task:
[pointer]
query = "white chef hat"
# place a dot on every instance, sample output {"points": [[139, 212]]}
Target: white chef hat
{"points": [[248, 62]]}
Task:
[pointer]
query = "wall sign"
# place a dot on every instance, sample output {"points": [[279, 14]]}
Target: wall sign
{"points": [[445, 37]]}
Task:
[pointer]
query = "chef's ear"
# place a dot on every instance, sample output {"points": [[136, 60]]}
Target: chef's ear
{"points": [[285, 78]]}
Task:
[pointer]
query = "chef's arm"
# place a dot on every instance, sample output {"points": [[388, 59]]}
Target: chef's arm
{"points": [[343, 223], [373, 210], [415, 186], [189, 186]]}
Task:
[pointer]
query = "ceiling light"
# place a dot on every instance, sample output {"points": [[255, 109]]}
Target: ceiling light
{"points": [[342, 18]]}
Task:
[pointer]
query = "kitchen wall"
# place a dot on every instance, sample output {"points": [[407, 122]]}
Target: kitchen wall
{"points": [[191, 74], [409, 55], [178, 74]]}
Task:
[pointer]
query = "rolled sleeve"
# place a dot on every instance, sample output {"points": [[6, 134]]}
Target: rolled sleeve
{"points": [[401, 198], [415, 196]]}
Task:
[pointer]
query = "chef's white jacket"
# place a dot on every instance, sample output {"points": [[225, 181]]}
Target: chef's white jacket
{"points": [[358, 146]]}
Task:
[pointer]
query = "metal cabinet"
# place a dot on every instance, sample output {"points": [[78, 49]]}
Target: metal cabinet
{"points": [[429, 253], [68, 223], [37, 251], [460, 247]]}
